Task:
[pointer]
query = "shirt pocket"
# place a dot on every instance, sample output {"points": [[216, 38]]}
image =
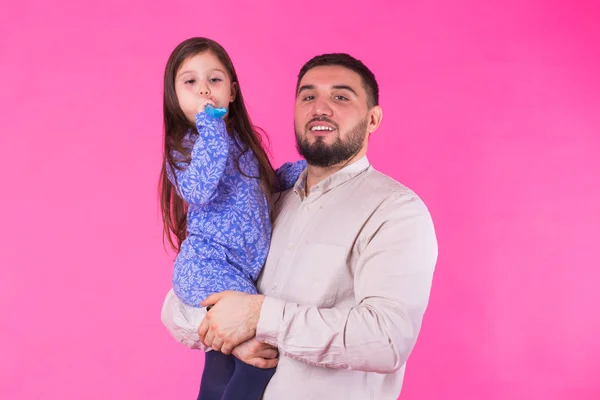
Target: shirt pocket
{"points": [[321, 274]]}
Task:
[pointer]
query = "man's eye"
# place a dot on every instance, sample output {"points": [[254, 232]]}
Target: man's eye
{"points": [[339, 97], [307, 98]]}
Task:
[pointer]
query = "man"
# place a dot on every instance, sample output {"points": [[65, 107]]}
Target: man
{"points": [[352, 256]]}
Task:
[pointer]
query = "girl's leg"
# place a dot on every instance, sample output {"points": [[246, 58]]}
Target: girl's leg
{"points": [[247, 382], [218, 370]]}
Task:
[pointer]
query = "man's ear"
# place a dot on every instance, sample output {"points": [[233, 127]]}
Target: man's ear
{"points": [[375, 117]]}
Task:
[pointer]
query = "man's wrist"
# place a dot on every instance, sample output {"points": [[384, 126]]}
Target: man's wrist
{"points": [[256, 306]]}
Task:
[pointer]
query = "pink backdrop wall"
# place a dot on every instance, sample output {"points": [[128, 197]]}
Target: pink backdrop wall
{"points": [[491, 115]]}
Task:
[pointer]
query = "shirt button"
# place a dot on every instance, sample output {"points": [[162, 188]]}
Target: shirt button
{"points": [[274, 287], [306, 208], [290, 247]]}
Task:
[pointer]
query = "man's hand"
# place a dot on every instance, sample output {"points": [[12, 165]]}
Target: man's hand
{"points": [[231, 321], [260, 355]]}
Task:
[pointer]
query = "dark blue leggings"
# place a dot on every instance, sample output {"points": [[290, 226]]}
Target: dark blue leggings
{"points": [[227, 378]]}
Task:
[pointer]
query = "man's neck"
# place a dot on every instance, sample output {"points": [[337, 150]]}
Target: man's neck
{"points": [[315, 175]]}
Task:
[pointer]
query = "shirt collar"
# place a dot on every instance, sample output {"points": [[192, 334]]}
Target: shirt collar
{"points": [[336, 179]]}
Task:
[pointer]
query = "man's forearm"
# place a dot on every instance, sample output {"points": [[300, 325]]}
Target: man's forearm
{"points": [[371, 337]]}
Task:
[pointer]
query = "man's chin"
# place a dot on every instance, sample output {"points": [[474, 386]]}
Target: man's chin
{"points": [[321, 139]]}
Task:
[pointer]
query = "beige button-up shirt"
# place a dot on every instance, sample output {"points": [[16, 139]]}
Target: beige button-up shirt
{"points": [[347, 281]]}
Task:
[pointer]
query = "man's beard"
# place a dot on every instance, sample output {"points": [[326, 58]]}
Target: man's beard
{"points": [[320, 154]]}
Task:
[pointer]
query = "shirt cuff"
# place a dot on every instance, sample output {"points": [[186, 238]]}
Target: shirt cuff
{"points": [[271, 315]]}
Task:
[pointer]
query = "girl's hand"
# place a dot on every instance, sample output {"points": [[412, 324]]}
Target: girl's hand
{"points": [[202, 103]]}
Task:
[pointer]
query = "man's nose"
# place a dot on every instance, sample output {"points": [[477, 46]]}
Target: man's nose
{"points": [[322, 107]]}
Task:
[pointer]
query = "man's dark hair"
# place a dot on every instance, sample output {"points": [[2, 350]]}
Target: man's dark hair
{"points": [[347, 61]]}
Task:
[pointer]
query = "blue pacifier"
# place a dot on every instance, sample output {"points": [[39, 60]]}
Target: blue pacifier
{"points": [[215, 112]]}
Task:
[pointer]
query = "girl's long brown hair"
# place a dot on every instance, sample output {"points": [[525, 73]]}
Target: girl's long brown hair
{"points": [[176, 126]]}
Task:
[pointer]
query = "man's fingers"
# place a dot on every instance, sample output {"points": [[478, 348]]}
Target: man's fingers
{"points": [[217, 343], [264, 363], [269, 353], [203, 329], [228, 346], [230, 342], [209, 339], [213, 298], [256, 354]]}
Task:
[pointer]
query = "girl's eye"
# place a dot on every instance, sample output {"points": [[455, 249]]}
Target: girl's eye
{"points": [[190, 81], [216, 80]]}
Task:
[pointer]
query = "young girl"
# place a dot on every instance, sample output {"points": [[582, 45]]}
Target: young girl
{"points": [[215, 186]]}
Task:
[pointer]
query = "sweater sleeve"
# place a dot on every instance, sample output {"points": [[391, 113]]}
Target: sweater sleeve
{"points": [[197, 180], [288, 174]]}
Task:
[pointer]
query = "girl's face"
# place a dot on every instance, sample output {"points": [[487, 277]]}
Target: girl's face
{"points": [[203, 75]]}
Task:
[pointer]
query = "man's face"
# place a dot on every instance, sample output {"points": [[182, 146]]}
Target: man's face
{"points": [[331, 117]]}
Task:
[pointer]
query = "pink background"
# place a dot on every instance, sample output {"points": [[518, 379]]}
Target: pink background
{"points": [[492, 115]]}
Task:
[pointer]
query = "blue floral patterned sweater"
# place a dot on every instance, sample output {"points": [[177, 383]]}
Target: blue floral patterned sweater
{"points": [[229, 231]]}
